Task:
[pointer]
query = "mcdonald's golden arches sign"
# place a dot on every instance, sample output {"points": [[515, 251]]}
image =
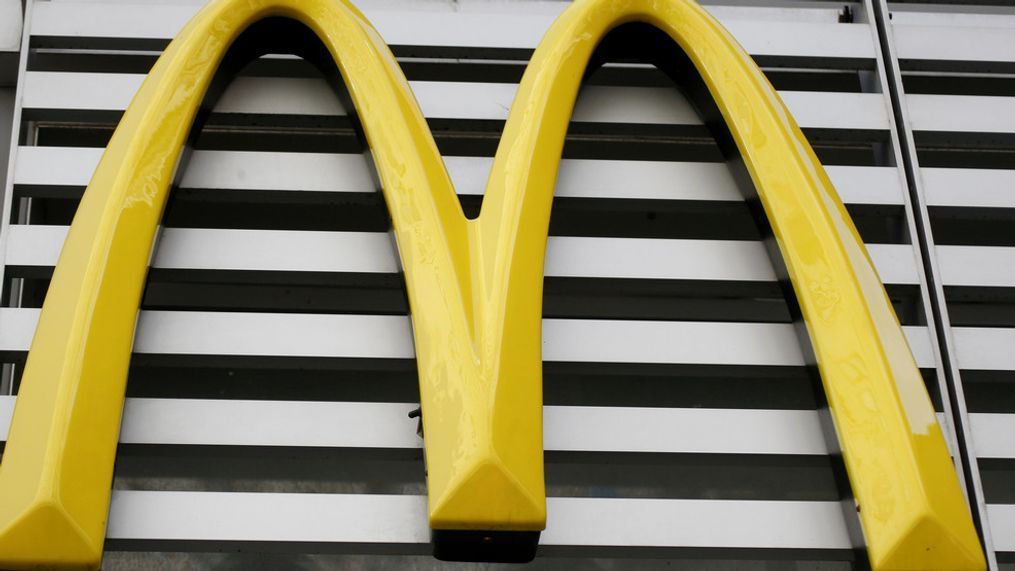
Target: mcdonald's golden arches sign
{"points": [[475, 290]]}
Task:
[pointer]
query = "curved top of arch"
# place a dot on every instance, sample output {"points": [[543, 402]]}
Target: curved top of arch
{"points": [[475, 289]]}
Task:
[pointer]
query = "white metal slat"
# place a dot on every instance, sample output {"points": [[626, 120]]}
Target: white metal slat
{"points": [[319, 172], [758, 36], [977, 266], [956, 187], [981, 15], [984, 348], [961, 113], [380, 519], [955, 43], [373, 252], [11, 20], [446, 100], [992, 434], [390, 337], [496, 25], [1002, 526], [206, 422], [196, 422]]}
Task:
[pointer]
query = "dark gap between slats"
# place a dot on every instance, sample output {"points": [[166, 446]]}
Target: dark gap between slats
{"points": [[998, 477], [570, 384], [343, 211], [972, 306], [400, 471], [989, 391], [958, 83], [972, 226], [965, 150], [564, 298], [395, 380]]}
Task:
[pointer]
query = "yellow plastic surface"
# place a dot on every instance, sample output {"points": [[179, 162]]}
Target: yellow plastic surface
{"points": [[475, 290]]}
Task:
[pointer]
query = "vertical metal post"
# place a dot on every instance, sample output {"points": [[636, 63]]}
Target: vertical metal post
{"points": [[955, 403], [7, 191]]}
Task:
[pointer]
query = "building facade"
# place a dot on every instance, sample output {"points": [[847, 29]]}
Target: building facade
{"points": [[267, 421]]}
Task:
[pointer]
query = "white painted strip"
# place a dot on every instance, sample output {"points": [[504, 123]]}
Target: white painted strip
{"points": [[992, 435], [985, 348], [988, 188], [578, 178], [220, 249], [979, 266], [382, 519], [599, 341], [295, 335], [447, 100], [511, 25], [373, 252], [962, 113], [390, 337], [954, 42], [199, 422], [933, 16], [11, 20], [6, 414], [1002, 526]]}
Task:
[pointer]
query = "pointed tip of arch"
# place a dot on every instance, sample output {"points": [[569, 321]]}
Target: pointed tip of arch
{"points": [[930, 542], [45, 534]]}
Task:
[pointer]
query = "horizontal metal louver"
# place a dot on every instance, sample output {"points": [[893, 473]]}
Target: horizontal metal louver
{"points": [[273, 370]]}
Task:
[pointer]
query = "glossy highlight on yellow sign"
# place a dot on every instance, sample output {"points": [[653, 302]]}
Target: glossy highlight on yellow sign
{"points": [[475, 291]]}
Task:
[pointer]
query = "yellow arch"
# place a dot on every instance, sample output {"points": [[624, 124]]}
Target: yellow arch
{"points": [[57, 467], [475, 289], [911, 506]]}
